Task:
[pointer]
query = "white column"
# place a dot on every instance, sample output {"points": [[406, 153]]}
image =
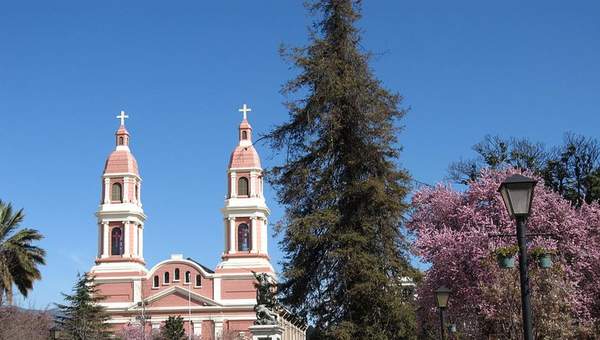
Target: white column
{"points": [[232, 235], [139, 198], [218, 329], [141, 240], [264, 237], [126, 252], [253, 185], [197, 328], [134, 190], [100, 247], [233, 192], [217, 289], [136, 240], [125, 190], [106, 190], [254, 226], [105, 239], [225, 233], [137, 290]]}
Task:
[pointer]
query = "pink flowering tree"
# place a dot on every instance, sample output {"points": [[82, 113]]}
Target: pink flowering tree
{"points": [[453, 230]]}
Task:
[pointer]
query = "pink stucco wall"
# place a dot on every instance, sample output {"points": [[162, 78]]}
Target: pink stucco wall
{"points": [[116, 292], [206, 289], [237, 289]]}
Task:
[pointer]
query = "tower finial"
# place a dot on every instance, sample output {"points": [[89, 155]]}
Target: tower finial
{"points": [[245, 109], [122, 117]]}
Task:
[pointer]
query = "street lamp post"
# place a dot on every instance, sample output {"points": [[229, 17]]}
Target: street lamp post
{"points": [[517, 194], [441, 298]]}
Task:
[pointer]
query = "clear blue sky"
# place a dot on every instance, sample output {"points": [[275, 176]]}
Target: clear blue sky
{"points": [[182, 68]]}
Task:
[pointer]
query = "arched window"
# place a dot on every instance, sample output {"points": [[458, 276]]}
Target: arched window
{"points": [[166, 278], [176, 275], [243, 237], [243, 186], [155, 282], [137, 192], [117, 192], [198, 280], [116, 241], [120, 140], [244, 135], [188, 276]]}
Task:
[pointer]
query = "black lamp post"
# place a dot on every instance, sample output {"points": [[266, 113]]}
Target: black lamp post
{"points": [[517, 194], [441, 298]]}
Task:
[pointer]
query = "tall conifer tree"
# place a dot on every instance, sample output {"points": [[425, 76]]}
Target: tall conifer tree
{"points": [[343, 191], [82, 318]]}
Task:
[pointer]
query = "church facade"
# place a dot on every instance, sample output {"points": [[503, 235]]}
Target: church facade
{"points": [[214, 303]]}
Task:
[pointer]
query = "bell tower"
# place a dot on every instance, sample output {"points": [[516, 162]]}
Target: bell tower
{"points": [[245, 212], [120, 214]]}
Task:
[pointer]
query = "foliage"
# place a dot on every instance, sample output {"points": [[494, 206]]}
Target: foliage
{"points": [[538, 252], [343, 192], [572, 169], [19, 258], [133, 331], [452, 231], [173, 329], [506, 251], [83, 317], [18, 323]]}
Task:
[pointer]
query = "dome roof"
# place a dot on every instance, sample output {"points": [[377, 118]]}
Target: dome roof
{"points": [[122, 131], [121, 161], [244, 157]]}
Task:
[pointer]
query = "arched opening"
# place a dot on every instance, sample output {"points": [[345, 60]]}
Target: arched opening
{"points": [[176, 275], [188, 277], [116, 241], [166, 278], [243, 237], [243, 186], [155, 281], [198, 280], [117, 192], [244, 135], [120, 140]]}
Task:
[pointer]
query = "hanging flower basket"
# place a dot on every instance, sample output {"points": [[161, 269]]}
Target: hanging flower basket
{"points": [[543, 257], [545, 261], [506, 256], [505, 261]]}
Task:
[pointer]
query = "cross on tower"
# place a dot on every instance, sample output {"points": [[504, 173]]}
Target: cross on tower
{"points": [[122, 116], [245, 109]]}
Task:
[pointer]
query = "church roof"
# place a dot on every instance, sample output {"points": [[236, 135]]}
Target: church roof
{"points": [[121, 161], [245, 125], [244, 157], [122, 130], [208, 270]]}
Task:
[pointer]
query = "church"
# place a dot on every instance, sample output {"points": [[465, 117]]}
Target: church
{"points": [[214, 303]]}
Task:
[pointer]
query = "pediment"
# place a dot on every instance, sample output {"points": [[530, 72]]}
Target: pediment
{"points": [[179, 296]]}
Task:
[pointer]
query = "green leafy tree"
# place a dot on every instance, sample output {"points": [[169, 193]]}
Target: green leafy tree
{"points": [[19, 258], [343, 191], [571, 169], [83, 318], [173, 329], [496, 152]]}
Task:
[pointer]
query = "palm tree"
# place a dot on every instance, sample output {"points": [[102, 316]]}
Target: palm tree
{"points": [[19, 259]]}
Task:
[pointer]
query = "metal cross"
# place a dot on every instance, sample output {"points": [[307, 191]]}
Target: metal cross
{"points": [[245, 109], [122, 116]]}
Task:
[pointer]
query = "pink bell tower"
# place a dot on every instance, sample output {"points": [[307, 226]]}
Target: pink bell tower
{"points": [[120, 215], [245, 212]]}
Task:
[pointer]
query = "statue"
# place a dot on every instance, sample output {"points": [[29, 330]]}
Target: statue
{"points": [[265, 300]]}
